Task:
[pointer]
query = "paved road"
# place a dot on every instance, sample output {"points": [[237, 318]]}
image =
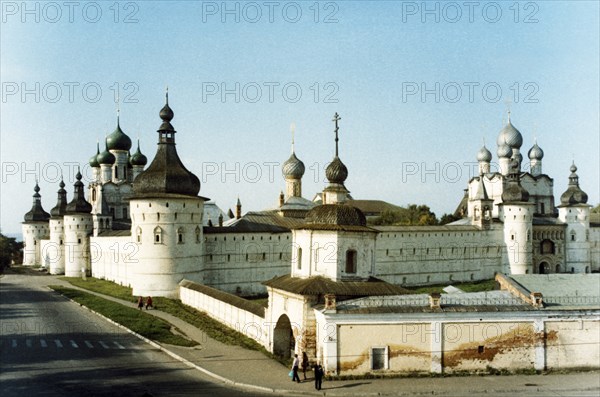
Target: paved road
{"points": [[53, 347]]}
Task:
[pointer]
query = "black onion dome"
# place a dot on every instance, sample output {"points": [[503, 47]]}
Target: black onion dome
{"points": [[78, 205], [336, 171], [138, 158], [573, 195], [94, 159], [336, 214], [166, 174], [61, 204], [37, 213], [293, 167], [118, 140], [106, 157]]}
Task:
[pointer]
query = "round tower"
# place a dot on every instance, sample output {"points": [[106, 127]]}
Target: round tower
{"points": [[166, 220], [78, 227], [517, 215], [35, 228], [57, 236], [575, 213]]}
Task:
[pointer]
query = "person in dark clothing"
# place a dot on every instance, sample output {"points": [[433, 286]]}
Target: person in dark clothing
{"points": [[140, 303], [318, 369], [295, 366], [149, 303], [304, 364]]}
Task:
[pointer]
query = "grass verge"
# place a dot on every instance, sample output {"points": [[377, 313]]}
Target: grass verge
{"points": [[211, 327], [142, 323]]}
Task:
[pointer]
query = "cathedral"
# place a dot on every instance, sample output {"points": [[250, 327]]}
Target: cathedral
{"points": [[147, 227]]}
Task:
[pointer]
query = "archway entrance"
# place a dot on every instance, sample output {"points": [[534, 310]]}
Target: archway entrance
{"points": [[283, 338], [544, 268]]}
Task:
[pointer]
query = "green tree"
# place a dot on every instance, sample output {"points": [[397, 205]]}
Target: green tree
{"points": [[412, 215], [596, 209], [448, 218]]}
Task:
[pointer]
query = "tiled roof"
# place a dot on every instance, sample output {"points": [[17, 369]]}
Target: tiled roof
{"points": [[321, 285], [265, 221]]}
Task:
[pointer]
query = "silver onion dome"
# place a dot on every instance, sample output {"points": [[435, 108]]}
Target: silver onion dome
{"points": [[510, 135], [535, 153], [484, 154]]}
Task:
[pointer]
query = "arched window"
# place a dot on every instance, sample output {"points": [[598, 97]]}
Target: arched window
{"points": [[93, 194], [138, 234], [573, 235], [157, 235], [299, 259], [351, 261], [546, 247], [180, 235]]}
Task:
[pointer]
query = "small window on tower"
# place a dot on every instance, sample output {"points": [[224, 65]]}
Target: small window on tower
{"points": [[157, 235], [351, 261], [180, 236]]}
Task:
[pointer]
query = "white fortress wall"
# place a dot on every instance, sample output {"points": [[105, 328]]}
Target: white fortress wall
{"points": [[238, 262], [223, 308], [113, 257], [438, 254]]}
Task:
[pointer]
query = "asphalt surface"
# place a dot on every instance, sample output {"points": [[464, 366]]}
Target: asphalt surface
{"points": [[52, 347]]}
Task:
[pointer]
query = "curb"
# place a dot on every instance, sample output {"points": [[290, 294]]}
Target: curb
{"points": [[181, 359]]}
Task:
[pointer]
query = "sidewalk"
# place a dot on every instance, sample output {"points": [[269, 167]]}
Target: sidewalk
{"points": [[253, 371]]}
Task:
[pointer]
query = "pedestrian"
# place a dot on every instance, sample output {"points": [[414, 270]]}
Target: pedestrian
{"points": [[318, 376], [295, 365], [149, 303], [140, 303], [304, 364]]}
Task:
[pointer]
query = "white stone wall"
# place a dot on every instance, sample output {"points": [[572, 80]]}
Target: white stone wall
{"points": [[238, 262], [113, 258], [324, 254], [595, 248], [54, 252], [33, 233], [472, 342], [438, 254], [247, 323]]}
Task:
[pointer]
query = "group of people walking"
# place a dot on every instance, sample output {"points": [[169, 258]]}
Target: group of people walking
{"points": [[140, 303], [317, 370]]}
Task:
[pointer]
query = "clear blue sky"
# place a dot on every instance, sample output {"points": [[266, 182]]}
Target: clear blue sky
{"points": [[364, 59]]}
